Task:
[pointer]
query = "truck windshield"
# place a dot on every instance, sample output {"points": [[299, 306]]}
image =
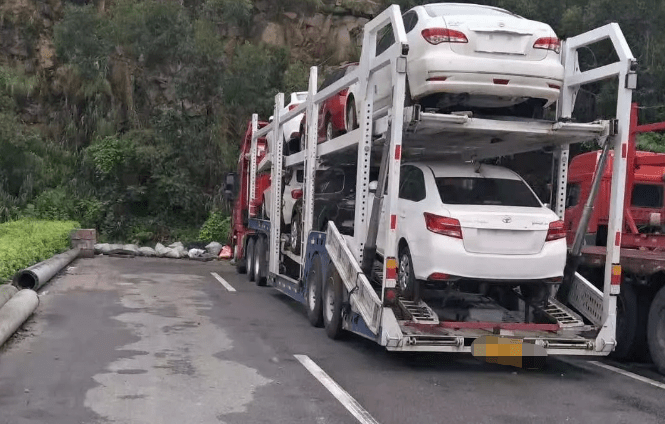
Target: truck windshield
{"points": [[485, 191]]}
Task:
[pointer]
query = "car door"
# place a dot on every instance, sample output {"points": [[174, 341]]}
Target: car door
{"points": [[412, 193]]}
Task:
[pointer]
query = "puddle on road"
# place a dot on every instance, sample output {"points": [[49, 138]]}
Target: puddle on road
{"points": [[173, 375]]}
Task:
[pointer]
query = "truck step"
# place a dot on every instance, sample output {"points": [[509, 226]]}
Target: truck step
{"points": [[418, 312]]}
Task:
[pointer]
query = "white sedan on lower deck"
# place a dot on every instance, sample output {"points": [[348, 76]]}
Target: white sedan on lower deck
{"points": [[457, 223]]}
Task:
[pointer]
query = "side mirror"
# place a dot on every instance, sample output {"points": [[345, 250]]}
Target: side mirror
{"points": [[229, 186], [271, 118], [373, 185]]}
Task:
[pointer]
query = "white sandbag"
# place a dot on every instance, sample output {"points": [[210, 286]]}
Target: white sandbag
{"points": [[101, 248], [196, 253], [176, 245], [214, 248], [173, 253], [147, 251], [131, 248], [161, 250], [115, 247]]}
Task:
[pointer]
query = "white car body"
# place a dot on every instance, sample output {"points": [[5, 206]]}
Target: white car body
{"points": [[493, 60], [288, 199], [498, 242], [293, 125]]}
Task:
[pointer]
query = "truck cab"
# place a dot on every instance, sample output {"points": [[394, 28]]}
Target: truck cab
{"points": [[647, 207]]}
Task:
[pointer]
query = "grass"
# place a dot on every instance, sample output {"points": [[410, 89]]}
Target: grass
{"points": [[26, 242]]}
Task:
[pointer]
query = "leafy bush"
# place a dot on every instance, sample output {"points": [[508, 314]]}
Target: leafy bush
{"points": [[216, 228], [26, 242]]}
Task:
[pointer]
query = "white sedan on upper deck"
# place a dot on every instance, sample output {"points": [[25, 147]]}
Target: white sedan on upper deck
{"points": [[455, 223], [466, 55]]}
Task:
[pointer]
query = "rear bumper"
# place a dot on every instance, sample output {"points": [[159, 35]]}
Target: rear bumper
{"points": [[451, 258], [476, 76]]}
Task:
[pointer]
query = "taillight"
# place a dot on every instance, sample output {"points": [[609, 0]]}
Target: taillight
{"points": [[438, 276], [291, 107], [389, 296], [556, 231], [548, 43], [296, 194], [443, 35], [443, 225]]}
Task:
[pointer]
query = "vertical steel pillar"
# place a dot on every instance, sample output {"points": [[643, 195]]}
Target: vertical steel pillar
{"points": [[311, 158], [276, 185], [253, 151]]}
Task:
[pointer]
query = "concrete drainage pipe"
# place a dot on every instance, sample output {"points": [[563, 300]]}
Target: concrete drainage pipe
{"points": [[6, 293], [37, 275], [14, 313]]}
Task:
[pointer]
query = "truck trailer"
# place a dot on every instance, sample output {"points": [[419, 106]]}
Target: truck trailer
{"points": [[346, 286]]}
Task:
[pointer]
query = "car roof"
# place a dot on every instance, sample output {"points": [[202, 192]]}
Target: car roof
{"points": [[467, 170]]}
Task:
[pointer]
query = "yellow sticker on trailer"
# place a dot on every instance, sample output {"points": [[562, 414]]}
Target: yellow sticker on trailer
{"points": [[509, 351]]}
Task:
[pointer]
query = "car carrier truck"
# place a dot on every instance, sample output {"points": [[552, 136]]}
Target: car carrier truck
{"points": [[341, 281], [641, 303]]}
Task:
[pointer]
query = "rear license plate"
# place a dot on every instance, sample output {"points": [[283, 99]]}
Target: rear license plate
{"points": [[508, 351]]}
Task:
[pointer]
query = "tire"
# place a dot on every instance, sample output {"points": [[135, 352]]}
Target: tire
{"points": [[656, 330], [260, 261], [332, 305], [296, 232], [313, 295], [406, 279], [249, 257], [241, 267], [627, 320], [351, 116], [329, 129]]}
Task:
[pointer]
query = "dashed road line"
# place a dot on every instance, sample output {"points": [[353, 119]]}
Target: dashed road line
{"points": [[336, 390], [226, 285], [629, 374]]}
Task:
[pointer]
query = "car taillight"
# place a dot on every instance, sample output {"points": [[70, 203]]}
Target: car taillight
{"points": [[443, 225], [296, 194], [291, 107], [556, 231], [443, 35], [548, 43]]}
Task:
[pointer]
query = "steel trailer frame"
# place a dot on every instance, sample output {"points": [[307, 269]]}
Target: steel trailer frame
{"points": [[368, 315]]}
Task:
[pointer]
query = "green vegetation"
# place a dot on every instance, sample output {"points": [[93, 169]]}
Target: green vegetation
{"points": [[145, 108], [26, 242]]}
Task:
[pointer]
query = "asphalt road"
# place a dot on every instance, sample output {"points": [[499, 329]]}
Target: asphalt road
{"points": [[162, 341]]}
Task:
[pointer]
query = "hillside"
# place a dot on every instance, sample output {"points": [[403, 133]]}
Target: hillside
{"points": [[125, 114]]}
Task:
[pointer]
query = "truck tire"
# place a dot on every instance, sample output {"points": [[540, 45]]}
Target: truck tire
{"points": [[627, 323], [313, 295], [332, 305], [249, 257], [260, 261], [296, 232], [241, 266], [656, 330]]}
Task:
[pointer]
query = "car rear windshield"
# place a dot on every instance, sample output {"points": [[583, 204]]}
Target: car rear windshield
{"points": [[449, 9], [486, 191]]}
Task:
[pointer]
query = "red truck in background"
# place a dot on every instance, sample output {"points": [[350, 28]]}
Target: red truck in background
{"points": [[641, 303], [237, 189]]}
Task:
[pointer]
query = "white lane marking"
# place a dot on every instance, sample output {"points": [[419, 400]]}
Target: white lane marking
{"points": [[629, 374], [228, 286], [336, 390]]}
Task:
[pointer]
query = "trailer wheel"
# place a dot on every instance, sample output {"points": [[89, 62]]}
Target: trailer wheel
{"points": [[656, 330], [249, 257], [241, 266], [627, 322], [313, 299], [332, 305], [260, 262], [406, 278]]}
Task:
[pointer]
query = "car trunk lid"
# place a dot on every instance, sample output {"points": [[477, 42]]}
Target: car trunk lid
{"points": [[502, 230]]}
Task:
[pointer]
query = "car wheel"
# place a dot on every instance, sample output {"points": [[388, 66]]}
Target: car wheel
{"points": [[406, 278], [249, 255], [332, 305], [296, 230], [260, 262], [351, 116], [656, 330], [329, 129], [626, 322], [313, 300]]}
